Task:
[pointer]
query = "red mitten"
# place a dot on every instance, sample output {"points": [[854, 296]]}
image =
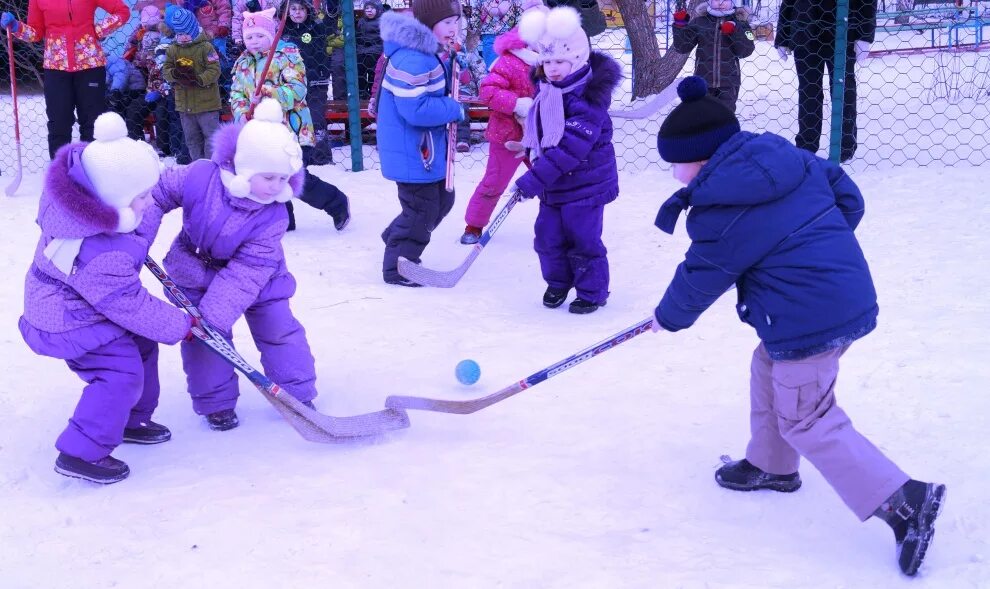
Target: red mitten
{"points": [[223, 32], [193, 323], [681, 18], [728, 27]]}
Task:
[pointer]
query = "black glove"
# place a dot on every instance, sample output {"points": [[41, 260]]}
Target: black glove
{"points": [[186, 75]]}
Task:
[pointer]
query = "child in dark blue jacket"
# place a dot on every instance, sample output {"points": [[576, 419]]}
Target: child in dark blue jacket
{"points": [[777, 222]]}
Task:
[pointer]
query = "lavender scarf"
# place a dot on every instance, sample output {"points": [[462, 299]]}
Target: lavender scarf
{"points": [[549, 106]]}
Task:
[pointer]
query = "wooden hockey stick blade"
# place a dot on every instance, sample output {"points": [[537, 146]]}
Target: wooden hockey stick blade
{"points": [[467, 406], [313, 426]]}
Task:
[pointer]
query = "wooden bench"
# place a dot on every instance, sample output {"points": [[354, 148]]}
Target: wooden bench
{"points": [[337, 116]]}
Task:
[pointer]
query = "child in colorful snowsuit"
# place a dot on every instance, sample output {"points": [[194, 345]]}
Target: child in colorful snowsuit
{"points": [[508, 91], [777, 222], [491, 18], [192, 67], [83, 299], [151, 17], [569, 133], [309, 31], [722, 35], [228, 258], [286, 82], [414, 108]]}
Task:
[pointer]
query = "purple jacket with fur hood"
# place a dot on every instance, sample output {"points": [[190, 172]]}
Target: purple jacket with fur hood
{"points": [[229, 248], [101, 299], [582, 166]]}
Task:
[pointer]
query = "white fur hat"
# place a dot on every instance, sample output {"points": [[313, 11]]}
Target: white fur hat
{"points": [[119, 168], [265, 146], [556, 35]]}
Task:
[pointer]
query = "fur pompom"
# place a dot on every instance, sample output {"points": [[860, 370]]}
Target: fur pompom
{"points": [[239, 186], [269, 110], [532, 25], [562, 22], [109, 127]]}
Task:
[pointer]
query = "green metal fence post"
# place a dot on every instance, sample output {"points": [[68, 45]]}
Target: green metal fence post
{"points": [[838, 78], [353, 102]]}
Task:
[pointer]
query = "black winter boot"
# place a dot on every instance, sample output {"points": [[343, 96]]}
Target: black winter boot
{"points": [[580, 306], [222, 421], [104, 471], [911, 513], [555, 297], [147, 432], [741, 475]]}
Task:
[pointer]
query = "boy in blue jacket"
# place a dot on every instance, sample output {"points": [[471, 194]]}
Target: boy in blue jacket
{"points": [[413, 111], [777, 222]]}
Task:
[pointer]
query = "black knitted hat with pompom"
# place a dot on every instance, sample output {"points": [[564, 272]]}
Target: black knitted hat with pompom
{"points": [[697, 126]]}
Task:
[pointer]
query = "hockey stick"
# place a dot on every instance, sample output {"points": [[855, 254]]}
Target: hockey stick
{"points": [[652, 106], [463, 407], [450, 278], [311, 424], [16, 182], [268, 62], [455, 93]]}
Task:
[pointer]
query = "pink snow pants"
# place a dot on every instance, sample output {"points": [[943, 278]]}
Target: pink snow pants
{"points": [[502, 165], [793, 414]]}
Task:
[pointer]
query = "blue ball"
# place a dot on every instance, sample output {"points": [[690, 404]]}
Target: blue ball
{"points": [[467, 372]]}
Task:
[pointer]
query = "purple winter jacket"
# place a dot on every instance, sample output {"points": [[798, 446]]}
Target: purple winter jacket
{"points": [[229, 249], [101, 299], [582, 166]]}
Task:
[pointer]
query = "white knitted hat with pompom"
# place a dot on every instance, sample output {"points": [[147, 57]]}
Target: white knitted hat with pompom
{"points": [[265, 146], [556, 34], [120, 168]]}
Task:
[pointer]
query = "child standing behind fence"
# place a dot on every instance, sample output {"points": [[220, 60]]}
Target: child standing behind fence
{"points": [[192, 67], [309, 31], [508, 91], [722, 35], [285, 81]]}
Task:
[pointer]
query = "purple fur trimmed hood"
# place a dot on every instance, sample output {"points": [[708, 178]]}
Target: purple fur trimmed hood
{"points": [[70, 207], [225, 146], [606, 75]]}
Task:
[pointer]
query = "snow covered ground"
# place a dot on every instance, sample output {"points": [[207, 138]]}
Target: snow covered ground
{"points": [[600, 477]]}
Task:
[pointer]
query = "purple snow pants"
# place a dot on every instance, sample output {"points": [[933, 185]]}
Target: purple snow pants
{"points": [[285, 357], [502, 165], [793, 414], [121, 391], [569, 244]]}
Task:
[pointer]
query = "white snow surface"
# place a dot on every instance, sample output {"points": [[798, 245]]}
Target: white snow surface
{"points": [[600, 477]]}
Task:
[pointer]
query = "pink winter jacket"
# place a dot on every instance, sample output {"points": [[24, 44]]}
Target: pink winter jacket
{"points": [[508, 81]]}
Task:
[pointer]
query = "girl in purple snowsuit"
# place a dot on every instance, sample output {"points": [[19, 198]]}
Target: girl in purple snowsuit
{"points": [[574, 170], [228, 257], [83, 299]]}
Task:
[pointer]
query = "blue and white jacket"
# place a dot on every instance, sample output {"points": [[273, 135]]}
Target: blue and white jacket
{"points": [[413, 107]]}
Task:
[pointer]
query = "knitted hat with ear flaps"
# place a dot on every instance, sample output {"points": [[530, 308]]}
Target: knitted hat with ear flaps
{"points": [[119, 168], [430, 12], [697, 127], [265, 146]]}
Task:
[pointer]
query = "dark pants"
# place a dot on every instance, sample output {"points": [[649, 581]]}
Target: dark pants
{"points": [[338, 79], [320, 194], [366, 75], [568, 240], [130, 105], [811, 62], [168, 128], [423, 207], [72, 96], [727, 95], [316, 100]]}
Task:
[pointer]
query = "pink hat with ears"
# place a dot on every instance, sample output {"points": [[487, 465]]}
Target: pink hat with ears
{"points": [[260, 22]]}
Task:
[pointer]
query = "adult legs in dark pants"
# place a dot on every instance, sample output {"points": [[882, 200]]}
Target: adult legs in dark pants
{"points": [[423, 207], [70, 96], [811, 62], [316, 99]]}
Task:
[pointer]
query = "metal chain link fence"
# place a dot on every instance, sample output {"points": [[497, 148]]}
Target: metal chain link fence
{"points": [[922, 91]]}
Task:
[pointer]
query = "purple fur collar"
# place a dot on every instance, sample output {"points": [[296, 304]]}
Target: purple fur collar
{"points": [[70, 207], [606, 75]]}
